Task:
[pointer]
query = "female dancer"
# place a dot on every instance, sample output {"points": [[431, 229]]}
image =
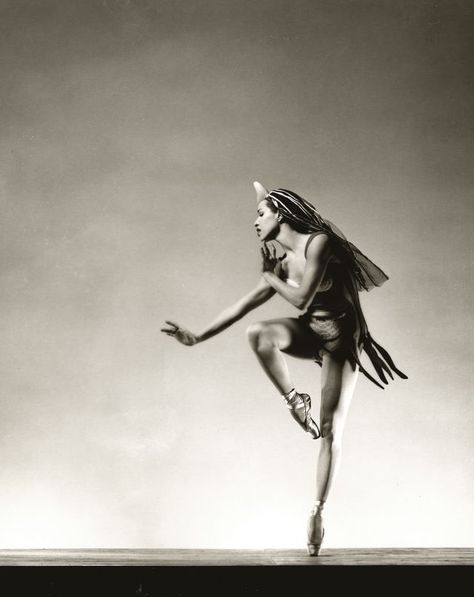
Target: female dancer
{"points": [[321, 274]]}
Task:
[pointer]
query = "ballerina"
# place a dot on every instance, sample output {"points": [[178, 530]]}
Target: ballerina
{"points": [[320, 273]]}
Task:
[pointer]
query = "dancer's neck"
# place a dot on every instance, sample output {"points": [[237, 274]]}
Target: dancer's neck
{"points": [[291, 240]]}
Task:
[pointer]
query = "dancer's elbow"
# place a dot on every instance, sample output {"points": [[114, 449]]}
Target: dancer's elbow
{"points": [[302, 303]]}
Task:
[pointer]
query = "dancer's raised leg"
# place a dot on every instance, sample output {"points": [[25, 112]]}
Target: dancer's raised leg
{"points": [[269, 339]]}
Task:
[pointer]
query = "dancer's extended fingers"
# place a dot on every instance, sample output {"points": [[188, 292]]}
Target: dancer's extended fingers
{"points": [[173, 324]]}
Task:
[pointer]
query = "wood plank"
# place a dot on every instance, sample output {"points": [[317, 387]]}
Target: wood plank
{"points": [[381, 557], [229, 557]]}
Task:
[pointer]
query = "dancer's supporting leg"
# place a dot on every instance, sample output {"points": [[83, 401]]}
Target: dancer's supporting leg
{"points": [[338, 381]]}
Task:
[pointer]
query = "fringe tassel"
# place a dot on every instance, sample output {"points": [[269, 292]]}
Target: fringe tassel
{"points": [[388, 358], [381, 361], [365, 372]]}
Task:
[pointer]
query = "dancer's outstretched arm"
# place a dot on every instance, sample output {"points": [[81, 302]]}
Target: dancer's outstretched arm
{"points": [[256, 297]]}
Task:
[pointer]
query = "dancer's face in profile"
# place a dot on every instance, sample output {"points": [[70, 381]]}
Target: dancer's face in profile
{"points": [[266, 224]]}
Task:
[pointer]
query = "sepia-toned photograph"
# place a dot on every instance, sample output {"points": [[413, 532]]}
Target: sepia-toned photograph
{"points": [[236, 289]]}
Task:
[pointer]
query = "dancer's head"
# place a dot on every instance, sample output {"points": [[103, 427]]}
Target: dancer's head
{"points": [[282, 206], [268, 220]]}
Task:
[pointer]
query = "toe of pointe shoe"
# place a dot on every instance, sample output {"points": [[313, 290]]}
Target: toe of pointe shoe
{"points": [[313, 549], [313, 430]]}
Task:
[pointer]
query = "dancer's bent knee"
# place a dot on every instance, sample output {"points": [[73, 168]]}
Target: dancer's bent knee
{"points": [[259, 337]]}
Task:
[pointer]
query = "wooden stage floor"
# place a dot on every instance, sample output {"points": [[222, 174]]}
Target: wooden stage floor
{"points": [[228, 573], [224, 557]]}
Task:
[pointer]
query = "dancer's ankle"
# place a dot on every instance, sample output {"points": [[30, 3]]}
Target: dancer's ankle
{"points": [[291, 398], [318, 507], [289, 395]]}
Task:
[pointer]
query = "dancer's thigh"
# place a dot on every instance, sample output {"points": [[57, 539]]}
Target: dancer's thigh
{"points": [[291, 336]]}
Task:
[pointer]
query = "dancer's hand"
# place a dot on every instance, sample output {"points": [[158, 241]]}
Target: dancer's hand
{"points": [[181, 334], [269, 259]]}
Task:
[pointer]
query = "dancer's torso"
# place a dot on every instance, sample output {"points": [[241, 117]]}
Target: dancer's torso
{"points": [[331, 296]]}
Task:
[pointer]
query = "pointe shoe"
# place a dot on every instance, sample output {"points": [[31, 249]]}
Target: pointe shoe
{"points": [[300, 410], [315, 533]]}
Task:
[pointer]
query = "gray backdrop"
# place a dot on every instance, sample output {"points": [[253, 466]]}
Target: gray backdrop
{"points": [[131, 133]]}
